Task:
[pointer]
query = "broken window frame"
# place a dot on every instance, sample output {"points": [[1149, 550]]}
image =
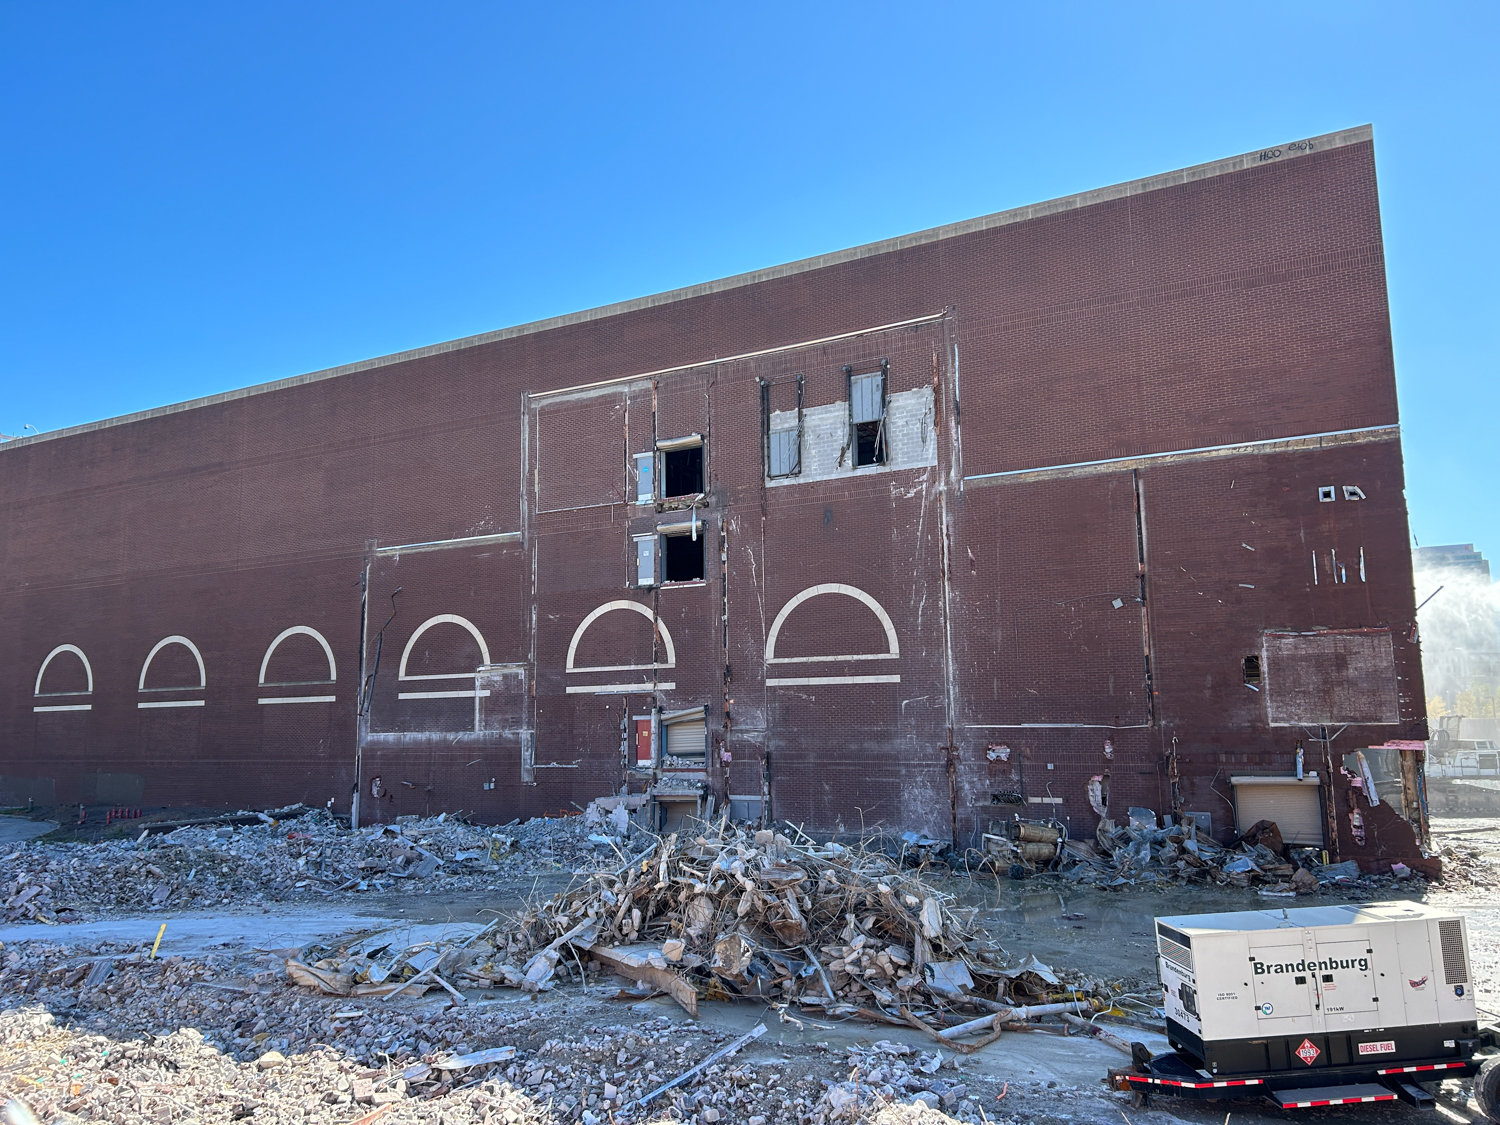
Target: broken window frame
{"points": [[882, 453], [1250, 671], [696, 528], [674, 445], [765, 433]]}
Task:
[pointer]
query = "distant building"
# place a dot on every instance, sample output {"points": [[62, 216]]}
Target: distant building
{"points": [[1460, 558], [1460, 626]]}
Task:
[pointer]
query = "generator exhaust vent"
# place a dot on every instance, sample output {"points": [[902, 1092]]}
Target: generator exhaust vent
{"points": [[1455, 966]]}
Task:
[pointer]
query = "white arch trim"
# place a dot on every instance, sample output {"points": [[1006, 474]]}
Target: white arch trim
{"points": [[442, 619], [265, 661], [191, 647], [610, 607], [76, 651], [832, 588]]}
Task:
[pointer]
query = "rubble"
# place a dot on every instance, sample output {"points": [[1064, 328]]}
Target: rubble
{"points": [[732, 914], [68, 1075], [1141, 852], [890, 1083], [272, 859], [177, 1040]]}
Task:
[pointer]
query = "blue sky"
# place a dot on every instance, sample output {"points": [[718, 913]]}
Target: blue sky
{"points": [[203, 196]]}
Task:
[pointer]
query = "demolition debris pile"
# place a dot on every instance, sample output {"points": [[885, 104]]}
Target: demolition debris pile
{"points": [[66, 1075], [175, 1038], [288, 854], [1140, 852], [736, 913]]}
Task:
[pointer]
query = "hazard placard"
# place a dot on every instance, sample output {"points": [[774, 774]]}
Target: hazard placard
{"points": [[1308, 1052]]}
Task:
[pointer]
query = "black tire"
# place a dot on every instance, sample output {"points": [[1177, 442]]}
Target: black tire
{"points": [[1487, 1089]]}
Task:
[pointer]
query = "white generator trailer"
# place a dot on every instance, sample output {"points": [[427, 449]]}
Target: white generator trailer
{"points": [[1315, 1006]]}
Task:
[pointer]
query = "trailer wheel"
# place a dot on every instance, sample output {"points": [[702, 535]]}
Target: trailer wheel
{"points": [[1487, 1089], [1139, 1099]]}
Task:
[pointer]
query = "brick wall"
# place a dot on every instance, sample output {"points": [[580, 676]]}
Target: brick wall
{"points": [[1041, 602]]}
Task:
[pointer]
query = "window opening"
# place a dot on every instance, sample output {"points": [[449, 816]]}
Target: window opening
{"points": [[1251, 669], [645, 478], [1326, 494], [682, 557], [1353, 492], [867, 439], [645, 560], [681, 466], [781, 430]]}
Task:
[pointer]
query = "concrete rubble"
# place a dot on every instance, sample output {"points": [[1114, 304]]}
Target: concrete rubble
{"points": [[193, 1040], [299, 855], [546, 1014], [369, 1024]]}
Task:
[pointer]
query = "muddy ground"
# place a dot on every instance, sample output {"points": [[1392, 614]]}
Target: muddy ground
{"points": [[181, 1037]]}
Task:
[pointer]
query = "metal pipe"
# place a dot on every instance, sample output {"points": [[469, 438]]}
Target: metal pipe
{"points": [[1013, 1015]]}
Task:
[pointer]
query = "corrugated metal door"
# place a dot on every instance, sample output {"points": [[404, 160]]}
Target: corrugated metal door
{"points": [[1293, 807], [687, 740]]}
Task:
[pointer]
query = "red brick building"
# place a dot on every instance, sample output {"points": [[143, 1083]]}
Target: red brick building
{"points": [[1086, 505]]}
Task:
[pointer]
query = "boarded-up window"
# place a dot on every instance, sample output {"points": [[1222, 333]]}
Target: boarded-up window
{"points": [[781, 424], [867, 397], [784, 450], [503, 710], [867, 417], [1330, 677], [579, 459]]}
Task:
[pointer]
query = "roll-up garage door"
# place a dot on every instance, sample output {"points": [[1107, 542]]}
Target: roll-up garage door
{"points": [[687, 734], [1295, 807]]}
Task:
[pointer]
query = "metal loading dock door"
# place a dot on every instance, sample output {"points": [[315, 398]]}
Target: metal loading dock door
{"points": [[1294, 806], [687, 734]]}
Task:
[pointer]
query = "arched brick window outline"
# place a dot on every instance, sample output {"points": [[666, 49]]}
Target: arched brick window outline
{"points": [[893, 651], [265, 663], [443, 619], [175, 639], [583, 627], [42, 671]]}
